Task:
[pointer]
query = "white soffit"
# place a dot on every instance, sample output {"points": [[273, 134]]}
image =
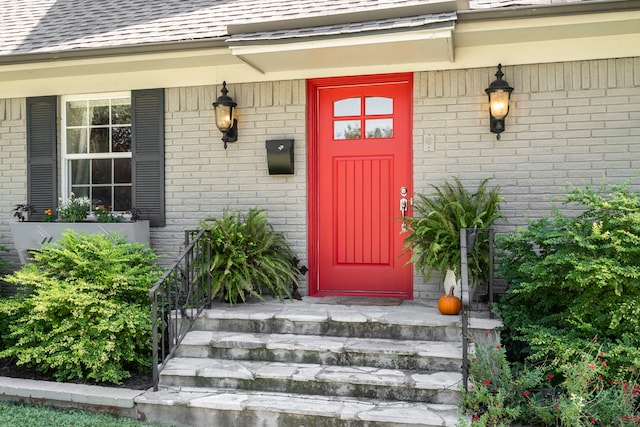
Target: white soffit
{"points": [[403, 41]]}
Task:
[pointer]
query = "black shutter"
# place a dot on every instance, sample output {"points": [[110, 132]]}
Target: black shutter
{"points": [[42, 183], [147, 122]]}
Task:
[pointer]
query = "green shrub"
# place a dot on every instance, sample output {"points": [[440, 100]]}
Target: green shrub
{"points": [[85, 312], [249, 256], [4, 264], [573, 278], [573, 394]]}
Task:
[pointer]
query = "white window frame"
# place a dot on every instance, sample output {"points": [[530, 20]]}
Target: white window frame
{"points": [[65, 158]]}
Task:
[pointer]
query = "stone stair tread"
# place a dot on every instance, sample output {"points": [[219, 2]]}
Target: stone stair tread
{"points": [[345, 409], [361, 375], [295, 311], [224, 339]]}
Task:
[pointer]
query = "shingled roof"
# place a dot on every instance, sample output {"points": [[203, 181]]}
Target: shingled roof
{"points": [[41, 26]]}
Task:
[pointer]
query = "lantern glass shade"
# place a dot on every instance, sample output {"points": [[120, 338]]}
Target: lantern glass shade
{"points": [[224, 117], [499, 104]]}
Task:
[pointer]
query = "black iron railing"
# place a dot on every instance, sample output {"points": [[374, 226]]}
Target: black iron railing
{"points": [[178, 298], [468, 238]]}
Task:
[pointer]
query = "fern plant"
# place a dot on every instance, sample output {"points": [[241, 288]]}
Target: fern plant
{"points": [[248, 256], [434, 231]]}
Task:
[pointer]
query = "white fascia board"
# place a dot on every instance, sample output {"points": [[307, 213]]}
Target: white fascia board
{"points": [[505, 31]]}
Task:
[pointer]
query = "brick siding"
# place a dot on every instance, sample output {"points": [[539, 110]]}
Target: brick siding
{"points": [[573, 122]]}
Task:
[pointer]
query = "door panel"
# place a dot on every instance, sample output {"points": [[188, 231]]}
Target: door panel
{"points": [[362, 146]]}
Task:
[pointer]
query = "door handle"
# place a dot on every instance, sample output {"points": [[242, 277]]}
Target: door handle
{"points": [[404, 207]]}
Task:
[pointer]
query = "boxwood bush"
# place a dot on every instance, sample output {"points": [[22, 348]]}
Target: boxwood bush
{"points": [[84, 312]]}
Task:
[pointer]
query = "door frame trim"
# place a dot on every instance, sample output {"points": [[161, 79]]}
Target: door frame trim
{"points": [[313, 86]]}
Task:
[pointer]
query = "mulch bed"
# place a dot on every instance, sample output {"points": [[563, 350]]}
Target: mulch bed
{"points": [[8, 368]]}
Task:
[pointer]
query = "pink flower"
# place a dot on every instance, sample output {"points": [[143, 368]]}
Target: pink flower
{"points": [[550, 377], [526, 393], [487, 382]]}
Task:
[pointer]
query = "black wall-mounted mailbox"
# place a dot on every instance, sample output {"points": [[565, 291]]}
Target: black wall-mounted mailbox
{"points": [[280, 156]]}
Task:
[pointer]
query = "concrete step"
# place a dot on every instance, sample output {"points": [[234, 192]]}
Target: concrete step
{"points": [[199, 407], [324, 350], [409, 321], [314, 379]]}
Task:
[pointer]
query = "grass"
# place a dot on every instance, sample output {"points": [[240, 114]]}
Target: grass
{"points": [[27, 415]]}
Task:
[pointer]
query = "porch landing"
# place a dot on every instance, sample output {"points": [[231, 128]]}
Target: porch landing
{"points": [[310, 363]]}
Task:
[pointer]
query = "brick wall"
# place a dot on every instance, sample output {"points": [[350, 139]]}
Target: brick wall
{"points": [[569, 123], [13, 166], [203, 178]]}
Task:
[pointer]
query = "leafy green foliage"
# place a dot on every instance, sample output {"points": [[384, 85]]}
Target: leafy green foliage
{"points": [[249, 256], [4, 264], [85, 310], [573, 278], [434, 231], [74, 209], [576, 393]]}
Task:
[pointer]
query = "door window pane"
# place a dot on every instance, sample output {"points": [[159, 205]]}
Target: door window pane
{"points": [[346, 107], [379, 128], [374, 105], [346, 129]]}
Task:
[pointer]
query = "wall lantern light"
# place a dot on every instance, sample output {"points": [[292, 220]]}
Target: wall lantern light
{"points": [[225, 116], [499, 93]]}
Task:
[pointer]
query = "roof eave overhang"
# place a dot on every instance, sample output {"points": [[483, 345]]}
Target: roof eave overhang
{"points": [[432, 44], [113, 51]]}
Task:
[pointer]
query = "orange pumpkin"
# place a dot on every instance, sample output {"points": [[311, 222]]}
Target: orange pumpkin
{"points": [[449, 304]]}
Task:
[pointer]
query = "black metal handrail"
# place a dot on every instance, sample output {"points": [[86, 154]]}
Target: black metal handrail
{"points": [[178, 298], [467, 243]]}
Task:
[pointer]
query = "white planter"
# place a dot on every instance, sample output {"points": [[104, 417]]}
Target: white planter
{"points": [[33, 235], [449, 281]]}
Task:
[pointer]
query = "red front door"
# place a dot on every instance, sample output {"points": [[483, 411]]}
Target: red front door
{"points": [[360, 174]]}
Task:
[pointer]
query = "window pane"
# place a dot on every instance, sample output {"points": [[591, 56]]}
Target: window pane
{"points": [[121, 111], [79, 172], [101, 197], [99, 112], [76, 141], [378, 105], [346, 129], [80, 191], [346, 107], [99, 140], [121, 139], [122, 171], [379, 128], [77, 113], [122, 198], [101, 171]]}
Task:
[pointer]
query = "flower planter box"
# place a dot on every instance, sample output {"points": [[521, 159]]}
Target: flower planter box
{"points": [[33, 235]]}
